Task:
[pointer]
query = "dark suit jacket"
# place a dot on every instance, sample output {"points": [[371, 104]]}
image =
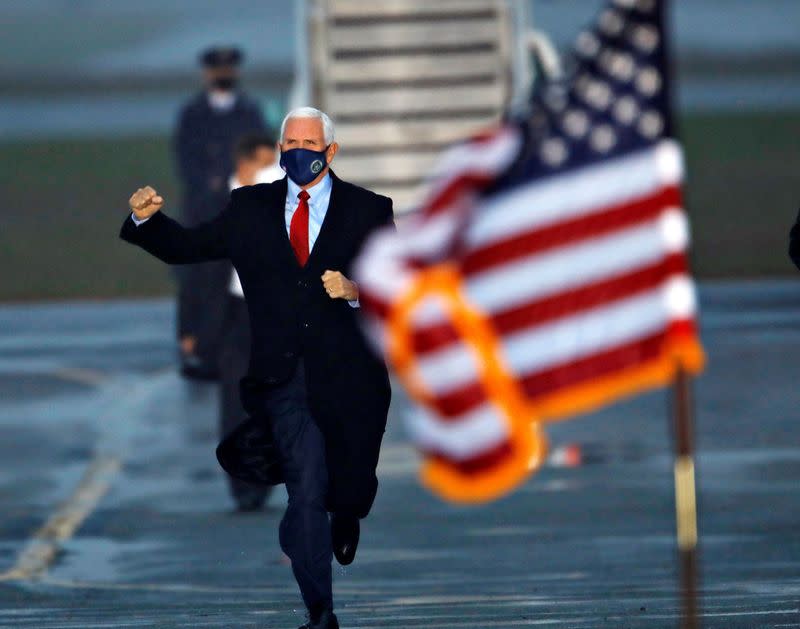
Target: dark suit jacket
{"points": [[292, 315]]}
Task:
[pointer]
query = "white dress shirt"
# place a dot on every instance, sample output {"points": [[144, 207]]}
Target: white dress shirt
{"points": [[319, 198]]}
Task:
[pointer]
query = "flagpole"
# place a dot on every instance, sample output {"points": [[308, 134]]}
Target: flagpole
{"points": [[682, 416], [685, 498]]}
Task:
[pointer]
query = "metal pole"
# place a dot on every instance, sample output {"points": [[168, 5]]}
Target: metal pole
{"points": [[300, 94], [685, 499], [522, 70]]}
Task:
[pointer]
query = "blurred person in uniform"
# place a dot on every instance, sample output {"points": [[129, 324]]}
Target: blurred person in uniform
{"points": [[255, 159], [317, 393], [207, 130]]}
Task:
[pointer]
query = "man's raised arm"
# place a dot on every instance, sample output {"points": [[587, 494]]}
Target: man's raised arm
{"points": [[167, 240]]}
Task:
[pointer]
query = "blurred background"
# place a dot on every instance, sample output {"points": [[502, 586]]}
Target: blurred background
{"points": [[90, 92]]}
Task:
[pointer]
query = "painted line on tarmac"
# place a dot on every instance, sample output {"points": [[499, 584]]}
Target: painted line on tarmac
{"points": [[190, 588], [90, 377], [42, 549]]}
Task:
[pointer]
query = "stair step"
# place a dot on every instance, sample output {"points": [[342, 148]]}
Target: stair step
{"points": [[381, 36], [401, 101], [414, 67], [394, 134], [387, 9]]}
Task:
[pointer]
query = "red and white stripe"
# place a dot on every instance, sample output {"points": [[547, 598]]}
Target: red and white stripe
{"points": [[581, 274]]}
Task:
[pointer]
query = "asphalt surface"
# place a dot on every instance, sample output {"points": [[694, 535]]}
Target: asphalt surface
{"points": [[116, 515]]}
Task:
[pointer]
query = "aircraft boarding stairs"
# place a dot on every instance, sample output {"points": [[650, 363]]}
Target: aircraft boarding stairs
{"points": [[403, 79]]}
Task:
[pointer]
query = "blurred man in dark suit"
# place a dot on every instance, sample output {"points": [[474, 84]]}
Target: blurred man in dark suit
{"points": [[255, 158], [208, 127], [313, 380]]}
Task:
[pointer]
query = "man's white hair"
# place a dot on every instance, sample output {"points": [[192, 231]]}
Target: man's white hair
{"points": [[311, 112]]}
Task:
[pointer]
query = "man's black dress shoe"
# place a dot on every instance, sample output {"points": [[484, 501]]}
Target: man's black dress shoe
{"points": [[326, 620], [345, 532]]}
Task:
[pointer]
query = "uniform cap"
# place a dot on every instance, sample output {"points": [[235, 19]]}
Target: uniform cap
{"points": [[217, 56]]}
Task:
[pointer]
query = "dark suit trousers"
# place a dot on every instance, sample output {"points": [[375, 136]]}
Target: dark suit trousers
{"points": [[202, 296], [305, 534], [234, 352]]}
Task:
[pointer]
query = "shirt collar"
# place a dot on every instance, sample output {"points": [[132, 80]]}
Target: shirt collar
{"points": [[221, 100], [318, 190]]}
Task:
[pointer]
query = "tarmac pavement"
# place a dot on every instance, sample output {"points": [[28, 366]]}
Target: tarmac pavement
{"points": [[115, 513]]}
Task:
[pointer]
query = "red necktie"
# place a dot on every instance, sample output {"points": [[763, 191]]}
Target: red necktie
{"points": [[298, 230]]}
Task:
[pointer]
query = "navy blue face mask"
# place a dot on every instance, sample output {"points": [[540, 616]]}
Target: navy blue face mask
{"points": [[303, 165]]}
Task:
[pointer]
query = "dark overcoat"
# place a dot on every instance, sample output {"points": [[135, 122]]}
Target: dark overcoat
{"points": [[291, 316]]}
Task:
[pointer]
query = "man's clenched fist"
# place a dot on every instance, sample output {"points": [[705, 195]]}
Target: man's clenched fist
{"points": [[338, 286], [145, 202]]}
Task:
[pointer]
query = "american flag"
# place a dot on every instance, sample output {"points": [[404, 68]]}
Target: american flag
{"points": [[546, 272]]}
